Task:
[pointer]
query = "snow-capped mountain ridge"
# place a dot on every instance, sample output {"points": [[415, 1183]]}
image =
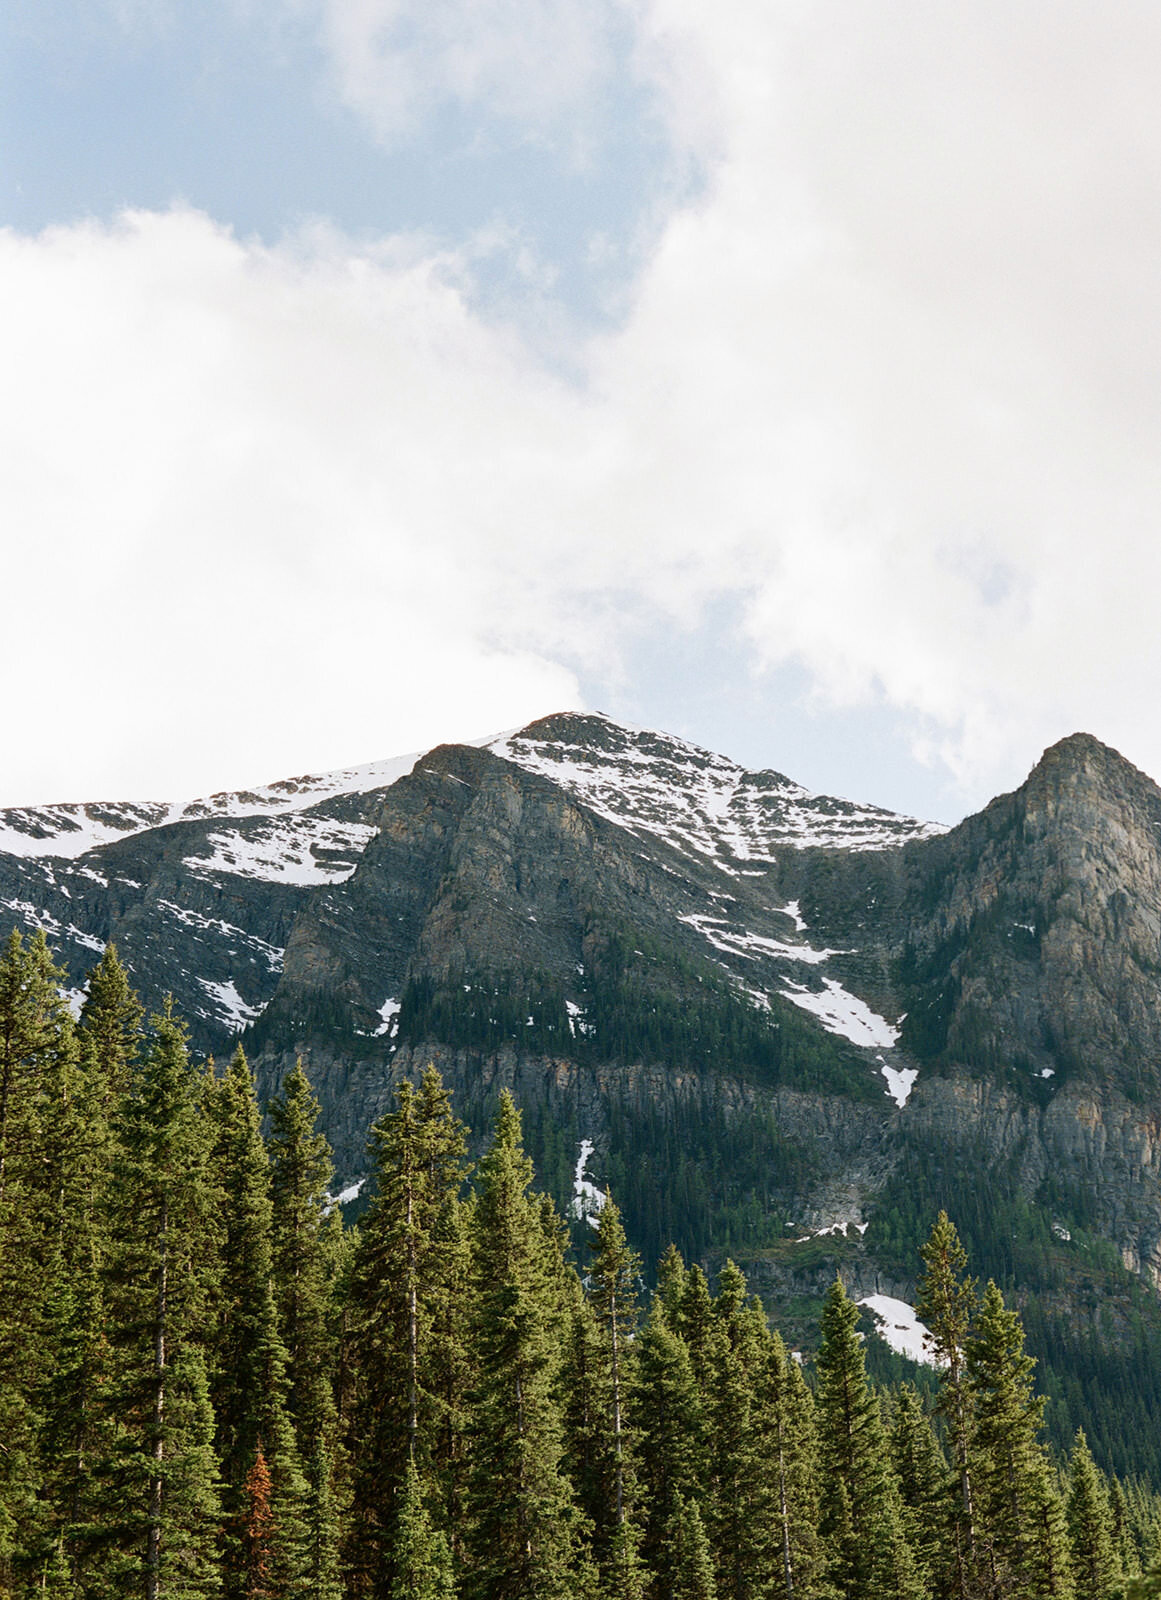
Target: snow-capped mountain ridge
{"points": [[72, 829], [697, 801]]}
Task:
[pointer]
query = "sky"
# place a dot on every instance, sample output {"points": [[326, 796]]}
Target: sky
{"points": [[376, 373]]}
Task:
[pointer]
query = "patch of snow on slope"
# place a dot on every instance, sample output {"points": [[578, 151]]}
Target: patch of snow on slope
{"points": [[588, 1201], [36, 918], [70, 830], [753, 945], [844, 1013], [75, 1000], [576, 1018], [791, 909], [900, 1081], [233, 1012], [388, 1011], [272, 953], [901, 1328], [283, 850]]}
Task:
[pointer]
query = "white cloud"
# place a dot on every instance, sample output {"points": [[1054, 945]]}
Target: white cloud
{"points": [[891, 375]]}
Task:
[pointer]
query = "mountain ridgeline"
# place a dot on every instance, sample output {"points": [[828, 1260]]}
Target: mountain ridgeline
{"points": [[789, 1027]]}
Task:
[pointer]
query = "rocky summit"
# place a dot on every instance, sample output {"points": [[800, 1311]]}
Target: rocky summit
{"points": [[779, 1025]]}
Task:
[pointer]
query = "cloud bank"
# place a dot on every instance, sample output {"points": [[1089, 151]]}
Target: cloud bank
{"points": [[890, 377]]}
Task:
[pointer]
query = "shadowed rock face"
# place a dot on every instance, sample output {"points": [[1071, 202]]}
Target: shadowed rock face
{"points": [[682, 934], [1033, 930]]}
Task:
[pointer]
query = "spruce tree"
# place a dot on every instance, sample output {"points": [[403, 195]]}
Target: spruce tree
{"points": [[612, 1285], [784, 1414], [41, 1183], [738, 1506], [1020, 1521], [303, 1258], [669, 1421], [520, 1539], [861, 1510], [928, 1504], [249, 1383], [1096, 1568], [423, 1565], [110, 1026], [946, 1303], [688, 1561], [156, 1512], [406, 1304]]}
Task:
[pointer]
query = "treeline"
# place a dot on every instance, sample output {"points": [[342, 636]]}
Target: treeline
{"points": [[209, 1388]]}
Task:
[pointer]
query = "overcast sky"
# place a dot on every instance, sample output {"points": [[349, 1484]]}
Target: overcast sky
{"points": [[379, 372]]}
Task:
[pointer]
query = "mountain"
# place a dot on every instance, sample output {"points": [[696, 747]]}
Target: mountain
{"points": [[779, 1025]]}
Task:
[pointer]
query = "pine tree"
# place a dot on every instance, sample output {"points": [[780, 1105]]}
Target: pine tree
{"points": [[423, 1565], [40, 1167], [612, 1284], [521, 1530], [928, 1506], [108, 1041], [784, 1415], [1095, 1566], [257, 1538], [687, 1555], [1020, 1521], [156, 1505], [249, 1384], [303, 1258], [947, 1303], [738, 1506], [110, 1026], [406, 1305], [669, 1420], [861, 1510]]}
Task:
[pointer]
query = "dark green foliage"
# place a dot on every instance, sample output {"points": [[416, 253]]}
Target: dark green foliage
{"points": [[1096, 1565], [521, 1534], [1020, 1531], [249, 1382], [303, 1264], [208, 1390], [423, 1565], [687, 1555], [156, 1510], [406, 1307], [668, 1410], [927, 1490], [862, 1519]]}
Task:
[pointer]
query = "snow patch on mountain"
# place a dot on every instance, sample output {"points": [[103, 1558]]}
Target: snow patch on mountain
{"points": [[753, 945], [235, 936], [286, 850], [588, 1201], [900, 1081], [388, 1012], [843, 1013], [901, 1328], [232, 1012], [34, 917]]}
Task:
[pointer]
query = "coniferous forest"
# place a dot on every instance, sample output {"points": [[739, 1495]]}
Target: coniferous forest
{"points": [[209, 1386]]}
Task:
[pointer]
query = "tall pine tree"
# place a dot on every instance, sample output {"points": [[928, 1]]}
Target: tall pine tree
{"points": [[521, 1539], [407, 1300], [861, 1510], [1020, 1519], [156, 1511]]}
